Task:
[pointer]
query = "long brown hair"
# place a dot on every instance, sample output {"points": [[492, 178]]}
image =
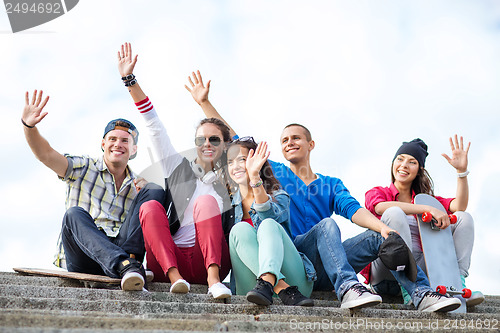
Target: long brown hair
{"points": [[270, 183], [421, 184]]}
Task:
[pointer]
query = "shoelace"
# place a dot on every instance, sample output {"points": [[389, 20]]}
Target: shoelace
{"points": [[360, 289], [435, 295], [291, 291]]}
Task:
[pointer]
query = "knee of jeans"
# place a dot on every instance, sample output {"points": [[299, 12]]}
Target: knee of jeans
{"points": [[148, 207], [395, 217], [241, 232], [72, 214], [155, 191], [329, 227]]}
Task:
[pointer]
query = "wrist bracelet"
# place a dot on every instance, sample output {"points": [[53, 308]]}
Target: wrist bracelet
{"points": [[128, 77], [130, 83], [26, 124], [463, 174], [260, 182]]}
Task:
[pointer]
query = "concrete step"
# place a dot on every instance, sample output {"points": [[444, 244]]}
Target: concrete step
{"points": [[43, 304]]}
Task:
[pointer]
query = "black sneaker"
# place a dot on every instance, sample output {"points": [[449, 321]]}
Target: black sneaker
{"points": [[262, 294], [292, 296], [132, 274]]}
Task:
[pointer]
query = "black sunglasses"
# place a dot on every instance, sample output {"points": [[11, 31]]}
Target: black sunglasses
{"points": [[200, 140]]}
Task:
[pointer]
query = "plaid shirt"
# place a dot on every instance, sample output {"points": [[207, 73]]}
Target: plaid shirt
{"points": [[92, 187]]}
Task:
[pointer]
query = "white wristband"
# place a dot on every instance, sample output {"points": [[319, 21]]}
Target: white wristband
{"points": [[463, 174]]}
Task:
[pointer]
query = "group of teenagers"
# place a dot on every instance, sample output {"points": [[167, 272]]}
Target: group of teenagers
{"points": [[231, 208]]}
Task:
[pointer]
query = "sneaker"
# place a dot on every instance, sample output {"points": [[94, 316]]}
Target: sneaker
{"points": [[476, 297], [219, 291], [262, 293], [150, 276], [358, 296], [435, 302], [132, 274], [180, 286], [292, 296]]}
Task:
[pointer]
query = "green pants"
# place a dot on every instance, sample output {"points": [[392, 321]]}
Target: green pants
{"points": [[266, 250]]}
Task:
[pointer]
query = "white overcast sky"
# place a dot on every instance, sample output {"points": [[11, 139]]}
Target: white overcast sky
{"points": [[362, 75]]}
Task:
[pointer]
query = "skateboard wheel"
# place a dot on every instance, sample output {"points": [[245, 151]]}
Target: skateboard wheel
{"points": [[466, 293], [453, 219], [426, 216], [441, 290]]}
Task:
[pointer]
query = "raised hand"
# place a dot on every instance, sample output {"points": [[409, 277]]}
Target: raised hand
{"points": [[256, 159], [32, 113], [198, 90], [126, 62], [458, 158]]}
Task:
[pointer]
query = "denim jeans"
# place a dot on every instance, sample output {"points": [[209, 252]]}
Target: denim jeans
{"points": [[89, 250], [323, 246], [337, 263]]}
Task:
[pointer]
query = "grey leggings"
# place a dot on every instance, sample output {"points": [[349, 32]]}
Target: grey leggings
{"points": [[463, 237]]}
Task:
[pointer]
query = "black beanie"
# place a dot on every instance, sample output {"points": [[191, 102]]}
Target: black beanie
{"points": [[416, 148]]}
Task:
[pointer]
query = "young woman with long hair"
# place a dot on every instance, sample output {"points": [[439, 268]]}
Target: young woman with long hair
{"points": [[394, 206], [260, 242]]}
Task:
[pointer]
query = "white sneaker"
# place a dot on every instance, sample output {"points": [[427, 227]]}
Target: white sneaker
{"points": [[150, 276], [219, 291], [132, 281], [358, 296], [180, 286], [435, 302]]}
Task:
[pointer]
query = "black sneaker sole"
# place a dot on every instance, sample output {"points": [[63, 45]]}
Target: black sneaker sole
{"points": [[258, 299], [305, 302]]}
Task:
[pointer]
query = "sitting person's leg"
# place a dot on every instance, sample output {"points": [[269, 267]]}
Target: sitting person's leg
{"points": [[162, 253], [244, 253], [211, 251], [463, 238], [322, 245], [85, 245], [130, 237], [279, 256]]}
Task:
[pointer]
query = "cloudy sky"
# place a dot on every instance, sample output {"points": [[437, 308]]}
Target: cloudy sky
{"points": [[362, 75]]}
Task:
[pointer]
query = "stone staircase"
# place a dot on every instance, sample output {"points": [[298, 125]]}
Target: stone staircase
{"points": [[45, 304]]}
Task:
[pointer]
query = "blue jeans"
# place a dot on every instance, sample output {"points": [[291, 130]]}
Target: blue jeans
{"points": [[89, 250], [337, 263]]}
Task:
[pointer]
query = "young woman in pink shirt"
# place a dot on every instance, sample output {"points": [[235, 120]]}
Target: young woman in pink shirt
{"points": [[394, 206]]}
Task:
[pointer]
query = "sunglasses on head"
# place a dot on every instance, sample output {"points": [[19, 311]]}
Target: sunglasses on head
{"points": [[244, 139], [214, 140]]}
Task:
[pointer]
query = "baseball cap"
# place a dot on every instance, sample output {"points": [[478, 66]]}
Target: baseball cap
{"points": [[396, 256], [124, 125]]}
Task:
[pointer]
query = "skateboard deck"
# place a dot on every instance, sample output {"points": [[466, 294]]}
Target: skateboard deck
{"points": [[439, 253], [89, 280]]}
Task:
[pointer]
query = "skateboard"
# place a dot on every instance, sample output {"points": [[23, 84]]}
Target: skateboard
{"points": [[88, 280], [439, 253]]}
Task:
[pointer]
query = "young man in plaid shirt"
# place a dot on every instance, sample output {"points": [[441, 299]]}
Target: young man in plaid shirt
{"points": [[101, 231]]}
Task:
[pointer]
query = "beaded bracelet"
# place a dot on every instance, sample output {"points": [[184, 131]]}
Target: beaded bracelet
{"points": [[260, 182]]}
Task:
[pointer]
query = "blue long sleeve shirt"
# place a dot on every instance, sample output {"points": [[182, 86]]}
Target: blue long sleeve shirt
{"points": [[309, 204]]}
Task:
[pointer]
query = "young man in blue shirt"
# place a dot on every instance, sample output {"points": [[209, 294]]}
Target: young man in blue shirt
{"points": [[314, 198]]}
